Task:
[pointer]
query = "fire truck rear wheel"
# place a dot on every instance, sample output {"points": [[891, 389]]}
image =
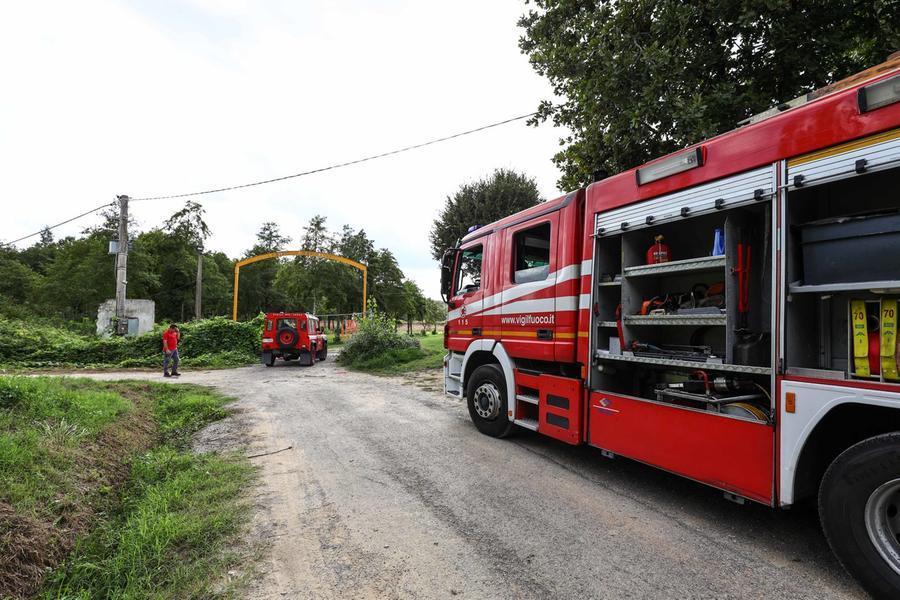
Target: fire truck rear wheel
{"points": [[486, 395], [859, 504]]}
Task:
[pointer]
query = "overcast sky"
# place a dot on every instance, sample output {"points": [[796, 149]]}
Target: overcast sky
{"points": [[148, 98]]}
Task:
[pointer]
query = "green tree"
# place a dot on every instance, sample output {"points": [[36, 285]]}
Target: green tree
{"points": [[257, 290], [316, 271], [316, 236], [501, 194], [641, 78], [413, 304], [217, 284], [328, 287], [343, 284], [188, 225], [40, 254], [17, 281], [435, 312], [80, 276], [270, 239], [386, 283], [172, 260]]}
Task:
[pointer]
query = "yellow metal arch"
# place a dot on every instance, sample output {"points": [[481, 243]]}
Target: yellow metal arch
{"points": [[268, 255]]}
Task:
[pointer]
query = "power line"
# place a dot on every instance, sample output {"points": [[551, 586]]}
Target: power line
{"points": [[339, 165], [60, 224], [276, 179]]}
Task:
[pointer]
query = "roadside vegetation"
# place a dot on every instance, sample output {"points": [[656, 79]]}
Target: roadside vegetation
{"points": [[430, 355], [100, 496], [63, 281], [207, 343], [377, 347]]}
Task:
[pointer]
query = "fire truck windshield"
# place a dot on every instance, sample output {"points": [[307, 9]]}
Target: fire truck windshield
{"points": [[468, 275]]}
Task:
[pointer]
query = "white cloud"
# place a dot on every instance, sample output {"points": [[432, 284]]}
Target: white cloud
{"points": [[103, 98]]}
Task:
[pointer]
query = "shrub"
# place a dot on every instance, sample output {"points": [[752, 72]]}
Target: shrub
{"points": [[376, 335], [207, 342]]}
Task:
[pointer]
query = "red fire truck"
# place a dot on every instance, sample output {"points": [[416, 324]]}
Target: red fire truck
{"points": [[726, 313]]}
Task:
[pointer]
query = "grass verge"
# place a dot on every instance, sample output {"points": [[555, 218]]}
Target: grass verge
{"points": [[98, 489]]}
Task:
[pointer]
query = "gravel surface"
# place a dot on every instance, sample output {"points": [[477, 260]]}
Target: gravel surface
{"points": [[390, 492]]}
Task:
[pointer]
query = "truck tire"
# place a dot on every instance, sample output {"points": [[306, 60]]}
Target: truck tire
{"points": [[486, 396], [268, 359], [859, 505], [323, 353]]}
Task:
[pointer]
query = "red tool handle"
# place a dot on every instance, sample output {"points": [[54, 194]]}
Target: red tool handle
{"points": [[739, 271], [619, 326], [745, 273]]}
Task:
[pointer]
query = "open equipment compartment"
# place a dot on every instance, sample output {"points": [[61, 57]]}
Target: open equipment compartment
{"points": [[694, 395], [678, 332], [842, 240]]}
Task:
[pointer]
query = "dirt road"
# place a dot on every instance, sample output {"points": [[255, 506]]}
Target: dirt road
{"points": [[389, 491]]}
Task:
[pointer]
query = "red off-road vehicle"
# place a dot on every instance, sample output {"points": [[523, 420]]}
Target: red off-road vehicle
{"points": [[293, 336]]}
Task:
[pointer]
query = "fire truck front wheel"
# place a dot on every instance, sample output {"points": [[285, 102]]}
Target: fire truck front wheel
{"points": [[859, 504], [486, 395]]}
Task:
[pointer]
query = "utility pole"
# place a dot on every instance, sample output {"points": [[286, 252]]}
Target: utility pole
{"points": [[198, 294], [122, 265]]}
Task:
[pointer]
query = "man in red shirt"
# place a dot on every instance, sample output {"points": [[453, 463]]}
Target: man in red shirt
{"points": [[170, 349]]}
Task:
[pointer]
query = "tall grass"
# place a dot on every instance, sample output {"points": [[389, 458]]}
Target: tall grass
{"points": [[42, 420], [110, 462], [172, 534], [179, 514]]}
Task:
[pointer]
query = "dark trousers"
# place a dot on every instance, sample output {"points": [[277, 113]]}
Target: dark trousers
{"points": [[173, 358]]}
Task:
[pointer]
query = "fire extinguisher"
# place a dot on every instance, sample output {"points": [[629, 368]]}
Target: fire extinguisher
{"points": [[658, 252]]}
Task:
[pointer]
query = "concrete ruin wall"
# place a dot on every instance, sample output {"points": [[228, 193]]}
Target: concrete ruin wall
{"points": [[142, 310]]}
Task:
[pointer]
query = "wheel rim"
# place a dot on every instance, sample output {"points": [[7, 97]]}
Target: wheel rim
{"points": [[487, 401], [883, 522]]}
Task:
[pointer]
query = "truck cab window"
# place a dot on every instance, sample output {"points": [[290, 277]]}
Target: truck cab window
{"points": [[468, 276], [532, 254]]}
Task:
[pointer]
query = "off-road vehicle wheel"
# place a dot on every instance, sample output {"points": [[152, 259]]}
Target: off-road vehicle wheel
{"points": [[486, 395]]}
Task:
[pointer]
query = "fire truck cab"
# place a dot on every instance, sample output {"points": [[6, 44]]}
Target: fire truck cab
{"points": [[727, 313]]}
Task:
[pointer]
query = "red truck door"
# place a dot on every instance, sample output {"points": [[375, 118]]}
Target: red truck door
{"points": [[528, 310], [466, 297]]}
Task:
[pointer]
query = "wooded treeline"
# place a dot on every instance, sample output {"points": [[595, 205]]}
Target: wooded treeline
{"points": [[65, 280]]}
